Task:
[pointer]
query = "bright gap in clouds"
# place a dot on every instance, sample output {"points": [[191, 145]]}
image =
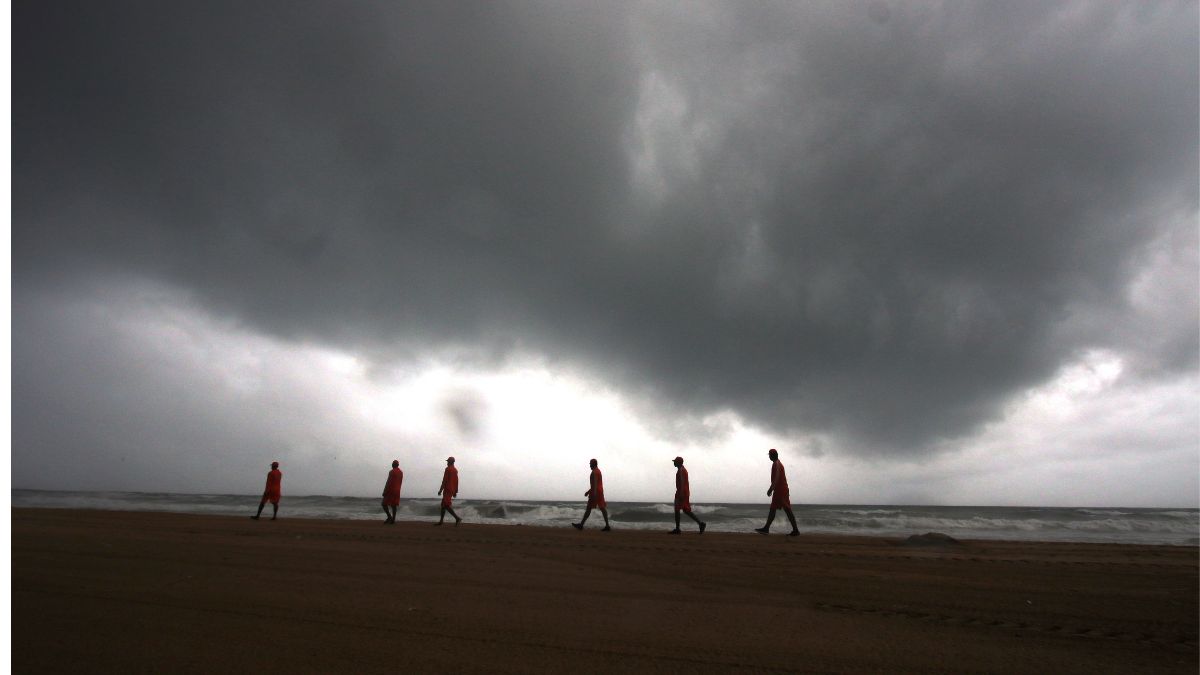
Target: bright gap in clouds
{"points": [[163, 396], [139, 388]]}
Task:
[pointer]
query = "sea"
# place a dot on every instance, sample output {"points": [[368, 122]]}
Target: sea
{"points": [[1171, 526]]}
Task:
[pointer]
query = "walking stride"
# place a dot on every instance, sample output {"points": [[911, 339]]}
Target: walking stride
{"points": [[683, 496], [271, 492], [448, 491], [780, 499], [391, 492], [595, 495]]}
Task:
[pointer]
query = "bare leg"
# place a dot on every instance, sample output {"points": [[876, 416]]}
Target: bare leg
{"points": [[274, 511], [260, 508], [767, 528], [387, 512], [604, 512], [792, 519], [676, 530], [586, 512], [693, 517], [457, 520]]}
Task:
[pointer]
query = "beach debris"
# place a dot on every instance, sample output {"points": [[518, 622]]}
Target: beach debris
{"points": [[932, 539]]}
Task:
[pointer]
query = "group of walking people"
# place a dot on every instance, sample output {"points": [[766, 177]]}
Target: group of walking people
{"points": [[778, 492]]}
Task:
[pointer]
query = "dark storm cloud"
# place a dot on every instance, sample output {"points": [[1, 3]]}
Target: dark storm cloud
{"points": [[874, 220]]}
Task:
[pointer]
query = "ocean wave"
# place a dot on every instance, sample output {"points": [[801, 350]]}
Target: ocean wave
{"points": [[1121, 525]]}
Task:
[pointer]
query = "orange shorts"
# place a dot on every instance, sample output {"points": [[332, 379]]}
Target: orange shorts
{"points": [[447, 501], [780, 500]]}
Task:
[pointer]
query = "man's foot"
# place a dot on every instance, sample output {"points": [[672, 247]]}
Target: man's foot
{"points": [[761, 530], [794, 533], [457, 521], [606, 529], [578, 526], [674, 531], [702, 526], [253, 517]]}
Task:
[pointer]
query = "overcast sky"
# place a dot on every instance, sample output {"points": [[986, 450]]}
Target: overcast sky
{"points": [[933, 253]]}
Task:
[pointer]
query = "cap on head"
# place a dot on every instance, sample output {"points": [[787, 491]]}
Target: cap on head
{"points": [[274, 465], [678, 460], [450, 459], [395, 462]]}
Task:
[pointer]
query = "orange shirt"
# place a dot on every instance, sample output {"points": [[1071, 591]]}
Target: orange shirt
{"points": [[597, 485], [391, 489], [683, 492], [274, 482], [450, 481], [778, 479]]}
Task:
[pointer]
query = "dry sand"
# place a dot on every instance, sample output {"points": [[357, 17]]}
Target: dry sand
{"points": [[96, 591]]}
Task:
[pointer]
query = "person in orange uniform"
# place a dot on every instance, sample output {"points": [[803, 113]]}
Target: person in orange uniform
{"points": [[780, 498], [391, 492], [271, 493], [683, 496], [448, 491], [595, 495]]}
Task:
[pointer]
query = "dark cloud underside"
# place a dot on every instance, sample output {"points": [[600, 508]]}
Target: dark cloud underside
{"points": [[878, 220]]}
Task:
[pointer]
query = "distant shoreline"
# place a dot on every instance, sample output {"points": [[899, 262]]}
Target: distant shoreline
{"points": [[763, 503], [1176, 527], [778, 532]]}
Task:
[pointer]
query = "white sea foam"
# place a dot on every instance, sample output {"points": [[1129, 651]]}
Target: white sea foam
{"points": [[1121, 525]]}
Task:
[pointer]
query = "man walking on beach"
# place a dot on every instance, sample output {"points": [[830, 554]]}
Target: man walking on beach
{"points": [[271, 493], [780, 499], [391, 492], [448, 491], [683, 496], [595, 495]]}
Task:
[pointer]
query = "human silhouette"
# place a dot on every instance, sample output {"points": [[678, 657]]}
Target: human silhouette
{"points": [[391, 492], [271, 492], [780, 499], [595, 495], [683, 496], [448, 491]]}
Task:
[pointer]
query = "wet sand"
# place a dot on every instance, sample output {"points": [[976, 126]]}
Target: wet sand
{"points": [[96, 591]]}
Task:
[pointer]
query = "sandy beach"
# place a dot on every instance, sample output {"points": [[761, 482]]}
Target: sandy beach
{"points": [[98, 591]]}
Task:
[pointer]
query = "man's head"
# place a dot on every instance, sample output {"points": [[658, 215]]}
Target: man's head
{"points": [[678, 461], [274, 465], [773, 454], [450, 461], [594, 463], [395, 464]]}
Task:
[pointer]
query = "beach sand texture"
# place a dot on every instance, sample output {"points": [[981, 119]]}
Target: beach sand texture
{"points": [[96, 591]]}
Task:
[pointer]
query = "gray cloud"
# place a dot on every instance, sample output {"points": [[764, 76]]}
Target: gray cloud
{"points": [[872, 220], [467, 412]]}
